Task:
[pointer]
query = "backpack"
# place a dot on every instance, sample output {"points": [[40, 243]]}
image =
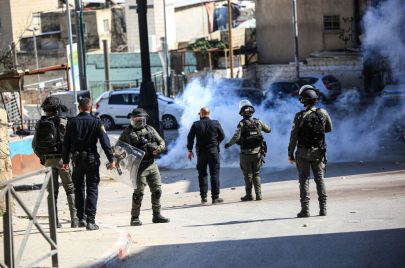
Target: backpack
{"points": [[251, 135], [49, 133], [312, 130]]}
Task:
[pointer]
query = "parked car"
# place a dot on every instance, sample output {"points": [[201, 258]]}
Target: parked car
{"points": [[113, 108], [67, 99], [393, 94], [328, 85], [281, 90], [242, 88]]}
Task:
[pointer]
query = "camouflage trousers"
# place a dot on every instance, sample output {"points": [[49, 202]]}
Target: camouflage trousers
{"points": [[58, 171], [151, 176], [250, 165], [307, 160]]}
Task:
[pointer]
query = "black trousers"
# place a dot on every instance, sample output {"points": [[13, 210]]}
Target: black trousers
{"points": [[208, 158], [86, 191]]}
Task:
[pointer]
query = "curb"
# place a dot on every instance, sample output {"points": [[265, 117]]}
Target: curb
{"points": [[116, 254]]}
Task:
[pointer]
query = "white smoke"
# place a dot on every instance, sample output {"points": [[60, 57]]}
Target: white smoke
{"points": [[384, 31], [358, 128]]}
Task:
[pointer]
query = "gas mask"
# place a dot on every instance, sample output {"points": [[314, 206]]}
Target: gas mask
{"points": [[138, 122]]}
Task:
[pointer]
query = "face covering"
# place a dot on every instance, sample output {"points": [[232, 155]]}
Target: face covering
{"points": [[138, 122]]}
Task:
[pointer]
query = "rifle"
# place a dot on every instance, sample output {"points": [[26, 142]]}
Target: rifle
{"points": [[118, 157]]}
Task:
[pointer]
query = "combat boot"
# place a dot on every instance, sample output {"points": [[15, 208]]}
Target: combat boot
{"points": [[135, 221], [204, 200], [217, 200], [246, 198], [158, 218], [258, 196], [322, 209], [74, 220], [82, 223], [92, 226], [304, 213]]}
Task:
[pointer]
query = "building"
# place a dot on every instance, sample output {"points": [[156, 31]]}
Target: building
{"points": [[322, 25], [156, 24], [16, 16]]}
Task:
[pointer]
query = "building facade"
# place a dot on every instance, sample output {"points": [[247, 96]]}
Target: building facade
{"points": [[16, 16], [322, 26]]}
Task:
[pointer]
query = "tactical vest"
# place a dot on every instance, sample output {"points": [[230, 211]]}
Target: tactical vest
{"points": [[311, 131], [251, 135], [144, 140]]}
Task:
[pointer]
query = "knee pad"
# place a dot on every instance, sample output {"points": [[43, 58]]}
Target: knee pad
{"points": [[70, 191], [137, 197], [157, 194]]}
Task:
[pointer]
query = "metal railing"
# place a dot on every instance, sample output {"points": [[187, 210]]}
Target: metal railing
{"points": [[13, 258]]}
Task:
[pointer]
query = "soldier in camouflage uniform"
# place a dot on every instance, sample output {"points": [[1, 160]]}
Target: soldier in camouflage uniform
{"points": [[147, 139], [308, 135], [253, 148], [51, 107]]}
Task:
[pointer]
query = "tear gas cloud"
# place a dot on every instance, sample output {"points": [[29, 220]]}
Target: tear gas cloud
{"points": [[357, 132], [384, 33]]}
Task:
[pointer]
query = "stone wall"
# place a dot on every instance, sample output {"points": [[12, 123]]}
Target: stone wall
{"points": [[350, 75]]}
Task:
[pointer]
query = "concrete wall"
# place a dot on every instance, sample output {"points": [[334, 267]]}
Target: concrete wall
{"points": [[6, 26], [274, 28], [350, 75], [17, 16]]}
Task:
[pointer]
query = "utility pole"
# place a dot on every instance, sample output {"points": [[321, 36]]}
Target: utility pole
{"points": [[72, 77], [15, 59], [295, 31], [80, 46], [230, 37], [166, 51], [34, 38], [147, 98], [106, 65]]}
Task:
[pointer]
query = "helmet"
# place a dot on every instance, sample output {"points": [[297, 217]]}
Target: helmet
{"points": [[246, 108], [51, 104], [138, 112], [308, 94]]}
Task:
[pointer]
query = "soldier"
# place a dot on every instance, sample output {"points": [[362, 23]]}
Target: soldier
{"points": [[47, 145], [308, 135], [147, 139], [209, 135], [82, 134], [253, 148]]}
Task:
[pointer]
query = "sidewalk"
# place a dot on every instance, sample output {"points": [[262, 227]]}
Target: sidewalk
{"points": [[365, 225]]}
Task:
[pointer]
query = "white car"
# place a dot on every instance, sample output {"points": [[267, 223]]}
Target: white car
{"points": [[113, 108]]}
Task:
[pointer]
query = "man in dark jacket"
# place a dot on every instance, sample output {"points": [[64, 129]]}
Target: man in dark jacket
{"points": [[209, 135], [82, 134]]}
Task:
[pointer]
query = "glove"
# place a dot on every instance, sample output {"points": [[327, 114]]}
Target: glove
{"points": [[227, 145]]}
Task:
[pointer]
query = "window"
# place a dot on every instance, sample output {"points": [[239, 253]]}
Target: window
{"points": [[120, 99], [331, 23], [36, 20], [106, 26], [135, 99]]}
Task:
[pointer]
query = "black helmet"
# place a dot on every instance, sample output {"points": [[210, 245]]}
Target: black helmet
{"points": [[246, 108], [308, 94], [51, 104], [138, 112]]}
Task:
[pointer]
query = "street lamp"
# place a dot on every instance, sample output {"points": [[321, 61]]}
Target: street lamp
{"points": [[147, 96]]}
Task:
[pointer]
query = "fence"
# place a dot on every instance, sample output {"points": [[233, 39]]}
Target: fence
{"points": [[7, 191]]}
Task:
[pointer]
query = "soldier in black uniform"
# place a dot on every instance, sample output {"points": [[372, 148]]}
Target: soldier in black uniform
{"points": [[209, 135], [82, 134]]}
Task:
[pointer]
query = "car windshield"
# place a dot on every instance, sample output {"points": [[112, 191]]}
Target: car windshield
{"points": [[283, 87], [307, 81]]}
